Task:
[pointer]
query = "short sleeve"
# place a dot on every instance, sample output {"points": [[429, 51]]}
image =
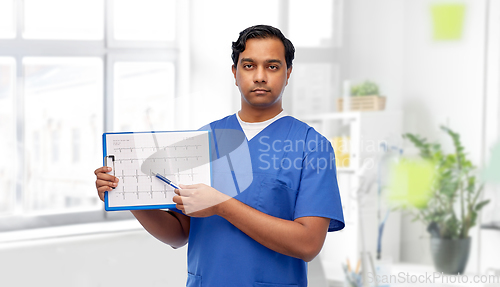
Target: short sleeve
{"points": [[318, 193], [176, 210]]}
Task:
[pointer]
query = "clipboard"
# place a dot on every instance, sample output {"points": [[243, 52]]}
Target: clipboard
{"points": [[181, 156]]}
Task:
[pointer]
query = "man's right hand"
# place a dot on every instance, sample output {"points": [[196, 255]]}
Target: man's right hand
{"points": [[170, 227], [104, 182]]}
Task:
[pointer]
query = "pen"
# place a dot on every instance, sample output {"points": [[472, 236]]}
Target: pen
{"points": [[166, 180], [357, 266]]}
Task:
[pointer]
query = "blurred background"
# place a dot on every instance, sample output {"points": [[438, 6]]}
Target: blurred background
{"points": [[365, 73]]}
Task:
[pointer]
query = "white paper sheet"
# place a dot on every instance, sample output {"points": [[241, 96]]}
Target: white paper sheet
{"points": [[183, 157]]}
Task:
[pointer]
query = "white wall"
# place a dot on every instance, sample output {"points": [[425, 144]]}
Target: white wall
{"points": [[374, 39], [126, 259], [443, 81], [433, 82]]}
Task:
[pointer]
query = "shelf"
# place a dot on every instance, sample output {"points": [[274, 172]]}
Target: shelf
{"points": [[493, 225], [346, 169], [340, 115], [331, 116], [361, 132]]}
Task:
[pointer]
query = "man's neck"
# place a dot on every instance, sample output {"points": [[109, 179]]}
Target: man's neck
{"points": [[255, 116]]}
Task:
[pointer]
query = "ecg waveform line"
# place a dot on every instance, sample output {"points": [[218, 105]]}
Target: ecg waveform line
{"points": [[137, 176], [155, 148], [138, 192], [197, 157]]}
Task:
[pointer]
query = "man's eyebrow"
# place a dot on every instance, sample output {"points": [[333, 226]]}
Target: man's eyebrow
{"points": [[246, 60], [274, 61], [267, 61]]}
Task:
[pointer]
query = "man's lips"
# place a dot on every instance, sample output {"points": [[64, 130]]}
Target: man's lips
{"points": [[260, 91]]}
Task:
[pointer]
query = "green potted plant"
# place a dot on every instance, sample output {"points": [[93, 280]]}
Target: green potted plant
{"points": [[453, 206], [364, 97], [367, 88]]}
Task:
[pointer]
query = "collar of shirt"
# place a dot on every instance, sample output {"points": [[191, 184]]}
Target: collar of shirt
{"points": [[252, 129]]}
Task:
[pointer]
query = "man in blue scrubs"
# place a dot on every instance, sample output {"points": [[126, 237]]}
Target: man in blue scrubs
{"points": [[262, 232]]}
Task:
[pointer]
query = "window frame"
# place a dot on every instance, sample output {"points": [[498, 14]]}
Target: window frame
{"points": [[113, 43], [335, 54], [12, 64], [109, 51]]}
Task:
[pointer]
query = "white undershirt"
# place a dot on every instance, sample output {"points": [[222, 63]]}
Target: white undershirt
{"points": [[252, 129]]}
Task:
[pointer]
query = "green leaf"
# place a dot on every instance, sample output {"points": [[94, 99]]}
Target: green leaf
{"points": [[365, 89], [421, 144], [481, 204]]}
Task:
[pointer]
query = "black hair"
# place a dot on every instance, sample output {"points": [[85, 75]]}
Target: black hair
{"points": [[262, 32]]}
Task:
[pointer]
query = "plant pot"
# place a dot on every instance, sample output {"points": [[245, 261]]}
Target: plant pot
{"points": [[450, 256], [363, 103]]}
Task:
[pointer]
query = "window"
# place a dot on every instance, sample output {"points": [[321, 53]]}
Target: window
{"points": [[154, 20], [72, 20], [61, 95], [7, 29], [317, 31], [318, 43], [8, 142], [66, 76], [139, 109]]}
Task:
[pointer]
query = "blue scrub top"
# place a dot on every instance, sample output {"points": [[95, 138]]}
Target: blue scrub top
{"points": [[287, 171]]}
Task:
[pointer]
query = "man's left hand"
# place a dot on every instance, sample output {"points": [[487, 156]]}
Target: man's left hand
{"points": [[198, 200]]}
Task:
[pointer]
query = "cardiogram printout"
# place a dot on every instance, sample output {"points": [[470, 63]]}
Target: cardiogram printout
{"points": [[181, 156]]}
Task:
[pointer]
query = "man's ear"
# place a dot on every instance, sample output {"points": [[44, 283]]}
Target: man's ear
{"points": [[288, 73], [233, 68]]}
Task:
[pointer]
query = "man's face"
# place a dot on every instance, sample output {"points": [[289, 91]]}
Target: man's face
{"points": [[262, 74]]}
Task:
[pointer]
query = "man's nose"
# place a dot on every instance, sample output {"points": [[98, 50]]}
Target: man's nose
{"points": [[260, 75]]}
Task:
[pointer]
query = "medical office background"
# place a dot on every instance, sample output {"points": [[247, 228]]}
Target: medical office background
{"points": [[71, 70]]}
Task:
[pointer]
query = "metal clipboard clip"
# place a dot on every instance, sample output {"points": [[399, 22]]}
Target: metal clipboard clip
{"points": [[110, 161]]}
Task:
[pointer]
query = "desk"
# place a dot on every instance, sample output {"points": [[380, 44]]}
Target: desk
{"points": [[406, 274]]}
